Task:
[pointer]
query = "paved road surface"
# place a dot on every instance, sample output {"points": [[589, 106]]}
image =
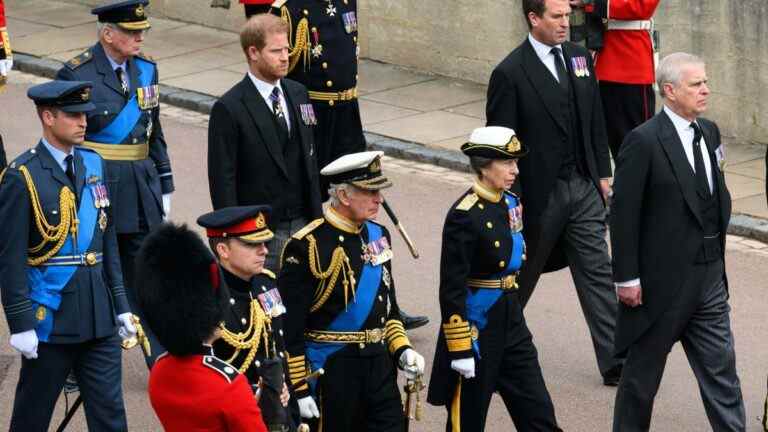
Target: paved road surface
{"points": [[421, 197]]}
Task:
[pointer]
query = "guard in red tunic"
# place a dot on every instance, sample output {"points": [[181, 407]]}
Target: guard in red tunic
{"points": [[179, 286], [624, 63]]}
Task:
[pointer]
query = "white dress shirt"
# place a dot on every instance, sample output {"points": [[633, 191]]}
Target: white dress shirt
{"points": [[685, 132], [265, 90], [544, 52]]}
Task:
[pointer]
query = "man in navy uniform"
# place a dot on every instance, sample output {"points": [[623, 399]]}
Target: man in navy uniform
{"points": [[62, 288], [343, 313], [124, 128]]}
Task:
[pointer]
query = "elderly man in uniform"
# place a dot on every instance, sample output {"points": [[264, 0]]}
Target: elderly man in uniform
{"points": [[61, 284], [124, 128], [343, 313]]}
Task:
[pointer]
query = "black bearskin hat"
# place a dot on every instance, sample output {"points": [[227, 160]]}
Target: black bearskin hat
{"points": [[178, 289]]}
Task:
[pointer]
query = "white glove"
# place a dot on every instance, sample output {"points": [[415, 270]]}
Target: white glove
{"points": [[308, 407], [6, 66], [166, 206], [465, 367], [127, 329], [412, 363], [25, 343]]}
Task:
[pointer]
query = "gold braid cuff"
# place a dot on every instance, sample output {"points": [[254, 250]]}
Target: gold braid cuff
{"points": [[300, 44], [297, 370], [458, 336], [51, 233], [339, 266], [250, 338], [394, 333]]}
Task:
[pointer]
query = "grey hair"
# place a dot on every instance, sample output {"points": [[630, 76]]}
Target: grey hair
{"points": [[671, 68], [100, 26], [333, 192], [477, 163]]}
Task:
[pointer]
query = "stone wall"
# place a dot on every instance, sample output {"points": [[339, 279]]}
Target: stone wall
{"points": [[466, 39]]}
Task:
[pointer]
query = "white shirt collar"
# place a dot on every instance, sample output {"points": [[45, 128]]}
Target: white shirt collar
{"points": [[264, 88], [57, 154], [681, 124], [542, 49]]}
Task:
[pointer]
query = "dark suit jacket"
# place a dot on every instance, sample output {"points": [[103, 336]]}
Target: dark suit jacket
{"points": [[3, 161], [95, 294], [523, 95], [656, 226], [136, 187], [245, 159]]}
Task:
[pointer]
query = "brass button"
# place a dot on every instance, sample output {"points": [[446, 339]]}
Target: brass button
{"points": [[381, 298], [382, 320], [361, 345], [329, 83], [331, 102], [263, 288], [281, 354], [502, 264], [506, 201], [489, 225], [135, 140], [341, 238], [354, 38], [280, 332], [306, 12], [243, 320], [231, 301], [314, 29], [481, 206], [325, 65], [497, 243], [90, 258], [523, 257]]}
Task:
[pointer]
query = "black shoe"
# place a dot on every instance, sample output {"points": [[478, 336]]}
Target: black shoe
{"points": [[612, 376], [412, 322]]}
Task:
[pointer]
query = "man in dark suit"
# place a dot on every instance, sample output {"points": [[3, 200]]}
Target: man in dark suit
{"points": [[260, 144], [124, 128], [669, 219], [61, 284], [546, 91]]}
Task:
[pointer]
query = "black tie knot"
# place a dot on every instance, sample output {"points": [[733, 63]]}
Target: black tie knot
{"points": [[696, 134], [70, 171], [562, 73]]}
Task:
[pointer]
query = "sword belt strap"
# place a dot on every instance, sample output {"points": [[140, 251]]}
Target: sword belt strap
{"points": [[630, 25], [507, 283], [86, 259], [366, 336]]}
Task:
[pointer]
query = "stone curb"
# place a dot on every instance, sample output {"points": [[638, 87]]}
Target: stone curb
{"points": [[741, 225]]}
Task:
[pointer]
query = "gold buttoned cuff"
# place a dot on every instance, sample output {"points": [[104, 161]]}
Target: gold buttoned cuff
{"points": [[394, 334], [457, 333]]}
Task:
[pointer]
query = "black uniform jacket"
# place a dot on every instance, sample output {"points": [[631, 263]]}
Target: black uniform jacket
{"points": [[136, 186], [245, 162], [656, 227], [95, 295], [299, 289], [523, 95], [477, 243]]}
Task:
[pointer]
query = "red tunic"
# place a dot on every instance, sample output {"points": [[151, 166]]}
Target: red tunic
{"points": [[202, 393], [627, 55], [2, 14]]}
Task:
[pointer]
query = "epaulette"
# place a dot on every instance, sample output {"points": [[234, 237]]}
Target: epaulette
{"points": [[278, 4], [467, 202], [23, 158], [80, 60], [300, 234], [268, 273], [225, 369], [144, 56]]}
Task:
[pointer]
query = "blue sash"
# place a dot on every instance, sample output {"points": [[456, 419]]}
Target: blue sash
{"points": [[480, 301], [125, 122], [353, 318], [46, 282]]}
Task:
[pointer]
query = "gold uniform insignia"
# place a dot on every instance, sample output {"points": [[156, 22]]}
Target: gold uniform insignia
{"points": [[40, 314], [269, 273], [467, 202], [292, 260], [300, 234]]}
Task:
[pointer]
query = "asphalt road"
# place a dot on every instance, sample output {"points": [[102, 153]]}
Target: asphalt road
{"points": [[421, 196]]}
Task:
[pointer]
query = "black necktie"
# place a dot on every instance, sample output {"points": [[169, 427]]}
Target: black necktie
{"points": [[562, 73], [70, 171], [277, 109], [702, 184], [121, 79]]}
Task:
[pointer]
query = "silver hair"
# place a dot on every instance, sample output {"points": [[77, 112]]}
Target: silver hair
{"points": [[671, 68], [100, 26], [333, 193]]}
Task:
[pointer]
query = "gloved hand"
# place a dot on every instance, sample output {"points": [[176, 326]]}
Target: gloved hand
{"points": [[127, 329], [5, 66], [308, 407], [166, 206], [25, 343], [412, 363], [465, 367]]}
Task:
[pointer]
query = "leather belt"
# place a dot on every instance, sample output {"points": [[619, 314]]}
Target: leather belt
{"points": [[630, 25], [359, 337], [333, 97], [86, 259], [119, 152], [507, 283]]}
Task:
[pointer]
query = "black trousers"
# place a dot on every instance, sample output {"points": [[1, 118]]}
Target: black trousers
{"points": [[509, 365], [129, 245], [360, 394], [97, 365], [626, 107], [339, 131], [699, 319], [251, 10]]}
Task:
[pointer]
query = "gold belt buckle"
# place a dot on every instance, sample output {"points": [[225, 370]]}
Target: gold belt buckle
{"points": [[90, 258], [508, 282], [373, 335]]}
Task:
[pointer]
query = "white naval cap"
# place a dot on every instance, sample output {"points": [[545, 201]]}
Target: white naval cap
{"points": [[494, 142], [358, 169]]}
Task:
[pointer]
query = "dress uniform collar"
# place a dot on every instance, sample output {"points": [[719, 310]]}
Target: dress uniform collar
{"points": [[341, 222], [486, 192]]}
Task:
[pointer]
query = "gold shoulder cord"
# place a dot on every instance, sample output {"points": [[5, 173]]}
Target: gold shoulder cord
{"points": [[339, 264], [300, 49], [50, 233], [250, 338]]}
